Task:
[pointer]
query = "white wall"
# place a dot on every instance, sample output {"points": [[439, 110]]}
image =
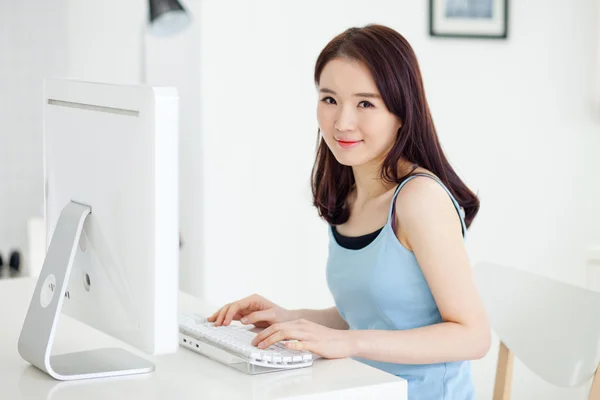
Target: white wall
{"points": [[104, 40], [33, 35], [515, 118]]}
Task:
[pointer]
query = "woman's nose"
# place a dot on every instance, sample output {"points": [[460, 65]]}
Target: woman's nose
{"points": [[345, 121]]}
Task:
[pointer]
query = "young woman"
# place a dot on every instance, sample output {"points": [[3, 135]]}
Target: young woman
{"points": [[398, 270]]}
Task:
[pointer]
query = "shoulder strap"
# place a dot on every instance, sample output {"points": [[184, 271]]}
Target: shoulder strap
{"points": [[459, 209]]}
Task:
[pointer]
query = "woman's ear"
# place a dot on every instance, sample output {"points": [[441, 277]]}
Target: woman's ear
{"points": [[400, 125]]}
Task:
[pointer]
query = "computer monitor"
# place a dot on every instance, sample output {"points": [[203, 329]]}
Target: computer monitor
{"points": [[111, 211]]}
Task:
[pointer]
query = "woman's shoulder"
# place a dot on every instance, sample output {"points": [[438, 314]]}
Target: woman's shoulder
{"points": [[419, 184], [423, 200]]}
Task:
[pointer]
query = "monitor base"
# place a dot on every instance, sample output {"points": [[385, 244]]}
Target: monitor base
{"points": [[39, 328]]}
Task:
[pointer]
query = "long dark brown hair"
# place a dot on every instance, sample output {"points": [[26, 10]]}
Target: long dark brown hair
{"points": [[394, 67]]}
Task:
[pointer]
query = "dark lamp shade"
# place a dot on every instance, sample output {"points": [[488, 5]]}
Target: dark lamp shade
{"points": [[167, 17]]}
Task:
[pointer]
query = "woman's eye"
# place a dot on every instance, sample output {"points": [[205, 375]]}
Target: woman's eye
{"points": [[365, 104], [328, 100]]}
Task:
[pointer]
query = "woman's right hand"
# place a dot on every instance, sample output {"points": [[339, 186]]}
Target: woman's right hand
{"points": [[253, 309]]}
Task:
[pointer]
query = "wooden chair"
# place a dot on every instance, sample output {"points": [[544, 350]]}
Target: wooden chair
{"points": [[552, 327]]}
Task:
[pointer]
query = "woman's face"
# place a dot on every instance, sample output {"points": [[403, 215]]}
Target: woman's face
{"points": [[354, 121]]}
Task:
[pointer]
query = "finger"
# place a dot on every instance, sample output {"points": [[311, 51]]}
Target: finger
{"points": [[259, 316], [284, 334], [265, 333], [222, 314], [231, 312], [302, 345], [271, 330], [274, 338], [213, 317], [243, 303], [239, 307]]}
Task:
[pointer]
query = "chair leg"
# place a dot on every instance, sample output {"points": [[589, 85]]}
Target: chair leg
{"points": [[595, 390], [504, 371]]}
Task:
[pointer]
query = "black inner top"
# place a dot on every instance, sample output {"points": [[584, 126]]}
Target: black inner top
{"points": [[354, 242]]}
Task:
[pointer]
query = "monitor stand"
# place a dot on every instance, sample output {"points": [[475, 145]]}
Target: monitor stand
{"points": [[39, 328]]}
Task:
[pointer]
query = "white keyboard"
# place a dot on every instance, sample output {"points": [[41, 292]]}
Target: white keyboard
{"points": [[232, 343]]}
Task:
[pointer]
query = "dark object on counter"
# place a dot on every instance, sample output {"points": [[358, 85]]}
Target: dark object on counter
{"points": [[15, 262]]}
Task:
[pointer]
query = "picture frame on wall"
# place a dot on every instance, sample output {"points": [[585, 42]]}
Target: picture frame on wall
{"points": [[479, 19]]}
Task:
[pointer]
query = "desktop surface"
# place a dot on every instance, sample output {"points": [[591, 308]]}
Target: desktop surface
{"points": [[184, 374]]}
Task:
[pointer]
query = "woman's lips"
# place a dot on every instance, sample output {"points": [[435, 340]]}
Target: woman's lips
{"points": [[348, 144]]}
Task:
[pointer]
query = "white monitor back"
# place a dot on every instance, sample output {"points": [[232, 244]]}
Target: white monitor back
{"points": [[115, 149]]}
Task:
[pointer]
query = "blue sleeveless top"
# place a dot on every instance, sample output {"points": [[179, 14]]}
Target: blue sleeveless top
{"points": [[382, 287]]}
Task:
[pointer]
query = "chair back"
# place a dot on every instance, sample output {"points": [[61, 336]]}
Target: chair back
{"points": [[551, 326]]}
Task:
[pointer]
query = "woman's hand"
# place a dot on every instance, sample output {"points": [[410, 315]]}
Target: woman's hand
{"points": [[253, 309], [318, 339]]}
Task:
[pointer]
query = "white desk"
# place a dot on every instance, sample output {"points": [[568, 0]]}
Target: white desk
{"points": [[182, 375]]}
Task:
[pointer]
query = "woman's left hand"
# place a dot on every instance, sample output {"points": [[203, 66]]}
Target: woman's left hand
{"points": [[318, 339]]}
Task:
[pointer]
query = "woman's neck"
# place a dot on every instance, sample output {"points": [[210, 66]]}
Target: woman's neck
{"points": [[369, 185]]}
